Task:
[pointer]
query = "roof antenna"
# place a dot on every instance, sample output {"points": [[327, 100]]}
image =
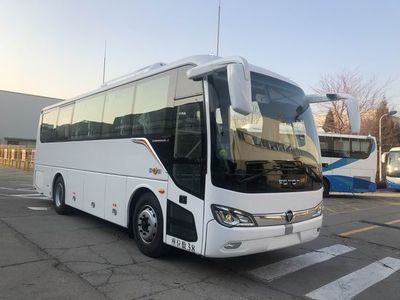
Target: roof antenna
{"points": [[219, 21], [104, 61]]}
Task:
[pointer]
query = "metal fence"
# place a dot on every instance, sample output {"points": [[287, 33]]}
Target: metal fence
{"points": [[20, 157]]}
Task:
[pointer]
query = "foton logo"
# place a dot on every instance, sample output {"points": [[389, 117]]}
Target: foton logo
{"points": [[154, 171], [289, 182]]}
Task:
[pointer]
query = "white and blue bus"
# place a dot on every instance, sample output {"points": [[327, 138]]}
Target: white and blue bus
{"points": [[349, 163], [392, 159], [169, 153]]}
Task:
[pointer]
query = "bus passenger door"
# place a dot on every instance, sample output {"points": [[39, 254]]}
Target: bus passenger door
{"points": [[185, 204]]}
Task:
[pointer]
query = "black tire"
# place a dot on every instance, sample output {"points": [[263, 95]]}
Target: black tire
{"points": [[59, 197], [326, 188], [147, 226]]}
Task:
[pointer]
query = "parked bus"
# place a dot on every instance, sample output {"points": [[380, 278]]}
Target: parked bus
{"points": [[166, 152], [349, 163], [392, 159]]}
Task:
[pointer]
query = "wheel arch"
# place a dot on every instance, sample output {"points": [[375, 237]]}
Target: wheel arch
{"points": [[137, 193], [55, 177]]}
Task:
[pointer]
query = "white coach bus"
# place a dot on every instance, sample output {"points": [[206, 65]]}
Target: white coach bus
{"points": [[349, 163], [165, 152], [392, 159]]}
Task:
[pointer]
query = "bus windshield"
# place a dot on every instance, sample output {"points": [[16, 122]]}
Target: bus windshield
{"points": [[393, 165], [273, 149]]}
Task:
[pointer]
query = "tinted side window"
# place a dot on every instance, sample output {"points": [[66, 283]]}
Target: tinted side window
{"points": [[345, 147], [341, 147], [151, 101], [48, 127], [187, 87], [64, 122], [365, 146], [86, 122], [360, 148], [117, 119], [323, 143]]}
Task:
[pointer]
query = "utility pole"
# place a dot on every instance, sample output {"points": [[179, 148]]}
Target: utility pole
{"points": [[104, 61], [219, 21]]}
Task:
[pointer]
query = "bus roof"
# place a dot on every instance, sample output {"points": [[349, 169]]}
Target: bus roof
{"points": [[159, 68], [395, 149], [346, 135]]}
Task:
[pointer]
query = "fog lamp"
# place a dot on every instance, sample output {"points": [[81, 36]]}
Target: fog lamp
{"points": [[232, 245]]}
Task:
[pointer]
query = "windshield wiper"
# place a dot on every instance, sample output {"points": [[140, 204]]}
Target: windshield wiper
{"points": [[266, 171], [282, 165], [311, 172], [255, 176]]}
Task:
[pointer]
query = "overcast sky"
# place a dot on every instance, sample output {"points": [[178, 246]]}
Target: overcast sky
{"points": [[55, 48]]}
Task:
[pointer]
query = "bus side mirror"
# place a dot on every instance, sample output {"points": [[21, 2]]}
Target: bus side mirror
{"points": [[239, 82], [239, 89], [351, 105], [384, 157], [353, 112]]}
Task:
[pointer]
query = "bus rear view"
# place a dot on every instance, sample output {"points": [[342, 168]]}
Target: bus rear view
{"points": [[349, 163]]}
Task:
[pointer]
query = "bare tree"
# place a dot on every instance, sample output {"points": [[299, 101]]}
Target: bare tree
{"points": [[369, 92], [372, 103], [329, 123], [390, 130]]}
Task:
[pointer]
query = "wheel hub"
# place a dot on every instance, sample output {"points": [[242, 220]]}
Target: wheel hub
{"points": [[59, 195], [147, 224]]}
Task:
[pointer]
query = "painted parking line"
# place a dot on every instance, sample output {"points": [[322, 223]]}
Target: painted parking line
{"points": [[381, 224], [17, 189], [39, 208], [366, 228], [26, 196], [354, 283], [293, 264], [30, 196]]}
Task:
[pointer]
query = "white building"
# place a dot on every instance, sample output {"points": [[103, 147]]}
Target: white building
{"points": [[19, 116]]}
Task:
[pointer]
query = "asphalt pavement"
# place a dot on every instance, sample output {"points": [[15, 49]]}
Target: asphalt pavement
{"points": [[47, 256]]}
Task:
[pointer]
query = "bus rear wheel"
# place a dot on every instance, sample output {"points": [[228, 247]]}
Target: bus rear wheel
{"points": [[59, 197], [326, 188], [147, 226]]}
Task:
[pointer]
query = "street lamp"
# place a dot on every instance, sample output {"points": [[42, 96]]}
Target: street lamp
{"points": [[390, 113]]}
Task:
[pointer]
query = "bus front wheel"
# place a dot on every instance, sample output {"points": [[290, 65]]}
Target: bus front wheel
{"points": [[59, 197], [147, 226]]}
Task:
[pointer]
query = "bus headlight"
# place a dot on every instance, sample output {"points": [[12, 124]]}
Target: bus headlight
{"points": [[231, 217], [317, 211]]}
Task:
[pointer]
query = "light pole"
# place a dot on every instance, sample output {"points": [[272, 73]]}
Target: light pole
{"points": [[390, 113]]}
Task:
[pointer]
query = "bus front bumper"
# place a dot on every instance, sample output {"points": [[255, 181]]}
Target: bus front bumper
{"points": [[238, 241]]}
